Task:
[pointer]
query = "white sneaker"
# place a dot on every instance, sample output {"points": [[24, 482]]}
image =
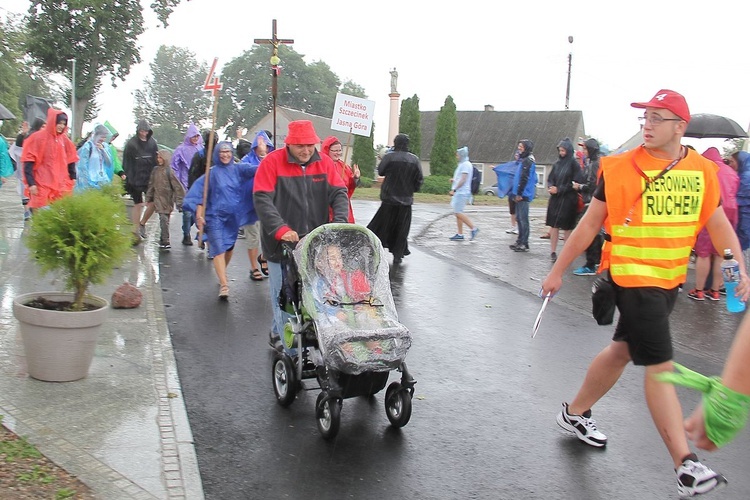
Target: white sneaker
{"points": [[694, 478], [512, 230], [582, 425]]}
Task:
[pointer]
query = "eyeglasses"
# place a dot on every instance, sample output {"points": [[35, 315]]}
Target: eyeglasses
{"points": [[655, 120], [334, 150]]}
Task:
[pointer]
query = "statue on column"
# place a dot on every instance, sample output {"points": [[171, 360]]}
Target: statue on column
{"points": [[394, 80]]}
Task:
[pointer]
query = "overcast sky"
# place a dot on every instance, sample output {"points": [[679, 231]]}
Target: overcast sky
{"points": [[512, 55]]}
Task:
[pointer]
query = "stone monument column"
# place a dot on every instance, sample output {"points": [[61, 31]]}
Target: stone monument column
{"points": [[394, 108]]}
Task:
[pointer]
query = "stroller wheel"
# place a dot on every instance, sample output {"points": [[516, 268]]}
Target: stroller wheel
{"points": [[284, 380], [328, 414], [398, 405]]}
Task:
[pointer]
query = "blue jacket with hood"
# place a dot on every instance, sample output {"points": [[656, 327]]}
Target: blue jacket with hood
{"points": [[524, 182], [228, 207]]}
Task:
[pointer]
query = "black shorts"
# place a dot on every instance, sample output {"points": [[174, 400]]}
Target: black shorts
{"points": [[136, 192], [644, 323], [511, 204]]}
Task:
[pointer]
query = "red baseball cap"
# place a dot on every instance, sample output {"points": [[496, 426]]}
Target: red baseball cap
{"points": [[669, 100]]}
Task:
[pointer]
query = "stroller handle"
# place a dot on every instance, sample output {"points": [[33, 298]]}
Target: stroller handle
{"points": [[288, 246]]}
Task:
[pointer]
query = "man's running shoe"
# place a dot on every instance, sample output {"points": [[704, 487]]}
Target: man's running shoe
{"points": [[582, 425], [713, 295], [457, 237], [696, 294], [694, 478]]}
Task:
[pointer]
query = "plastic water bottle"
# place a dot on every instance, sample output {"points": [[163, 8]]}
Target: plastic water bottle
{"points": [[730, 271]]}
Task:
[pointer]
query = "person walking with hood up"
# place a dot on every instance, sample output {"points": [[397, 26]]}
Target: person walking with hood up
{"points": [[461, 193], [116, 163], [402, 173], [562, 208], [138, 160], [165, 192], [227, 207], [94, 161], [707, 259], [585, 186], [524, 189], [49, 161], [181, 158], [740, 162], [259, 148], [350, 175]]}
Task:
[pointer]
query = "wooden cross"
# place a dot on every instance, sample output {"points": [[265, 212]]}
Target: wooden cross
{"points": [[274, 41]]}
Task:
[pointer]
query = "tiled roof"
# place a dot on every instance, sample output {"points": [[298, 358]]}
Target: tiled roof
{"points": [[322, 125], [492, 136]]}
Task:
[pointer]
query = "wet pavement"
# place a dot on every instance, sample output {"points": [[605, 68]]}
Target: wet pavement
{"points": [[124, 429]]}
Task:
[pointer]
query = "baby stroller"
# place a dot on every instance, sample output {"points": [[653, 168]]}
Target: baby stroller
{"points": [[344, 336]]}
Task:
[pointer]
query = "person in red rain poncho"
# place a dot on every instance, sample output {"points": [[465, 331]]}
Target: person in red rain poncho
{"points": [[49, 161], [350, 175]]}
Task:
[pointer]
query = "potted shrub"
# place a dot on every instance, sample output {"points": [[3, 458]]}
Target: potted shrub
{"points": [[83, 237]]}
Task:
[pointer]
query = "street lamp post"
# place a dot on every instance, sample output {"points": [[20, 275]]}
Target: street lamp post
{"points": [[73, 100], [570, 64]]}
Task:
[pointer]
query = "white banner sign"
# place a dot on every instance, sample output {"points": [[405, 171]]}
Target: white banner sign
{"points": [[353, 114]]}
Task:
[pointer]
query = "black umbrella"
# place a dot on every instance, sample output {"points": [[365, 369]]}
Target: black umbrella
{"points": [[705, 126], [5, 114]]}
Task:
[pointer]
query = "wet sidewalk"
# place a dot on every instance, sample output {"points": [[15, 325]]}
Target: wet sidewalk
{"points": [[123, 430]]}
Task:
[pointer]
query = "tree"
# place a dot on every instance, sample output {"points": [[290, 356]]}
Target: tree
{"points": [[410, 123], [19, 74], [247, 98], [173, 96], [9, 88], [443, 155], [363, 154], [100, 36]]}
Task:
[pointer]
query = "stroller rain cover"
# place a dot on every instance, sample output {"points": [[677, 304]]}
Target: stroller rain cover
{"points": [[346, 291]]}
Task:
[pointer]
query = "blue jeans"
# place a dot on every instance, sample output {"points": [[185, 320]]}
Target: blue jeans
{"points": [[522, 218], [187, 222]]}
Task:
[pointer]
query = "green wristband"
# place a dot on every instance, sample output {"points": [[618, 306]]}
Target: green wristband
{"points": [[725, 411]]}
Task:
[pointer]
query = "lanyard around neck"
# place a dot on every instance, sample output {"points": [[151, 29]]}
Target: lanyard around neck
{"points": [[651, 180]]}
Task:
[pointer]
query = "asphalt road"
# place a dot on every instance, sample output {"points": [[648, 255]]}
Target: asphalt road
{"points": [[483, 422]]}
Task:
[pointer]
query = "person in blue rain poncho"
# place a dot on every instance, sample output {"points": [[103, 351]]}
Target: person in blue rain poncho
{"points": [[259, 148], [94, 161], [6, 166], [740, 161], [228, 207]]}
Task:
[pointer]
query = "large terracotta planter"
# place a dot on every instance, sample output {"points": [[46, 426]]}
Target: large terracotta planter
{"points": [[59, 345]]}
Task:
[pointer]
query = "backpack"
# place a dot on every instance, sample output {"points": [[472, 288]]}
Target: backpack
{"points": [[476, 180]]}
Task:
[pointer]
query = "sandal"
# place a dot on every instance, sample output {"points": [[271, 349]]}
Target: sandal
{"points": [[256, 275], [263, 265], [224, 292]]}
